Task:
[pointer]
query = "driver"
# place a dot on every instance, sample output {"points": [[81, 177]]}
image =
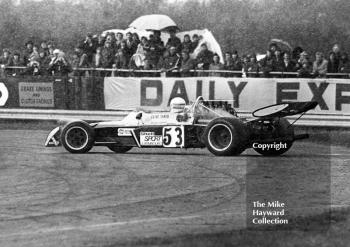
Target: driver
{"points": [[177, 105]]}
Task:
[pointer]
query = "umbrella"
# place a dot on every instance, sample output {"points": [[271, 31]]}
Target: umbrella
{"points": [[154, 22]]}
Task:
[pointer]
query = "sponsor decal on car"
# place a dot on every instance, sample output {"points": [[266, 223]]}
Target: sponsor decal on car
{"points": [[150, 139], [124, 131], [155, 116]]}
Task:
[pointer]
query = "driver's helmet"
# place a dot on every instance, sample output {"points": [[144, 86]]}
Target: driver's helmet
{"points": [[177, 105]]}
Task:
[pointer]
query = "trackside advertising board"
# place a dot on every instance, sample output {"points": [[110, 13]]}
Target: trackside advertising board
{"points": [[248, 94], [31, 92]]}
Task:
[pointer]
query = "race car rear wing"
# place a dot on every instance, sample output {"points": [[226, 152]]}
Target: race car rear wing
{"points": [[285, 109]]}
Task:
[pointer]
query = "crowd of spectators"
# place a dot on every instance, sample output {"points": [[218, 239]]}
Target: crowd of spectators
{"points": [[130, 52]]}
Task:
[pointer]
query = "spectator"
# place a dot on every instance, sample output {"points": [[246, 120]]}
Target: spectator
{"points": [[304, 65], [34, 56], [44, 48], [344, 66], [237, 64], [204, 57], [245, 64], [195, 42], [16, 61], [121, 60], [296, 53], [5, 58], [107, 55], [187, 43], [135, 38], [28, 51], [278, 61], [216, 65], [97, 62], [266, 64], [138, 60], [89, 47], [100, 41], [228, 63], [170, 63], [44, 62], [130, 44], [333, 63], [187, 64], [320, 65], [288, 64], [173, 41], [59, 66], [273, 48], [119, 39], [97, 58], [337, 54], [253, 67]]}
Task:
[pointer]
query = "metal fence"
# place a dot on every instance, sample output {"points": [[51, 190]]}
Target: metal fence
{"points": [[113, 72]]}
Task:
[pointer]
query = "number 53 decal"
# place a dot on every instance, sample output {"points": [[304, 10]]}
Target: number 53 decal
{"points": [[173, 136]]}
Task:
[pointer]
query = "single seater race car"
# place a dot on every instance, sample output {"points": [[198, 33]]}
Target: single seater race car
{"points": [[212, 124]]}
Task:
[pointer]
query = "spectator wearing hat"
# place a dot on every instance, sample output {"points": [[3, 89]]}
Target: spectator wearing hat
{"points": [[320, 65], [186, 64], [216, 65]]}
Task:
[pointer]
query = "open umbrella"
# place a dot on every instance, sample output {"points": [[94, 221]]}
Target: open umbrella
{"points": [[154, 22]]}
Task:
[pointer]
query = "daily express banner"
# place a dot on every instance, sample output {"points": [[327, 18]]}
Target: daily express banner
{"points": [[248, 94]]}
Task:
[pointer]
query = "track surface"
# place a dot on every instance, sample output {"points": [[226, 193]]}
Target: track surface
{"points": [[49, 197]]}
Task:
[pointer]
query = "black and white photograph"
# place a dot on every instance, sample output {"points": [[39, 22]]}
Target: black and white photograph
{"points": [[174, 123]]}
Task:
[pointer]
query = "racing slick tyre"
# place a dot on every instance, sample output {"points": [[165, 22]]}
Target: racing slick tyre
{"points": [[119, 149], [225, 136], [283, 130], [77, 137]]}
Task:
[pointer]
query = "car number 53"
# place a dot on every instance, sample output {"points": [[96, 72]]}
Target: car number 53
{"points": [[173, 136]]}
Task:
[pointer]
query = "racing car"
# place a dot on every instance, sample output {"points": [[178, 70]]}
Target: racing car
{"points": [[211, 124]]}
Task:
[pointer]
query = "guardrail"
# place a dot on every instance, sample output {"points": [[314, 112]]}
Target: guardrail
{"points": [[194, 72], [310, 120]]}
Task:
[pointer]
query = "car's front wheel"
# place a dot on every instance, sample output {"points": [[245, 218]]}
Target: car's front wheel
{"points": [[77, 137], [225, 136]]}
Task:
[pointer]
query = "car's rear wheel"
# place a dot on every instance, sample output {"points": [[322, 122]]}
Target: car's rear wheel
{"points": [[285, 132], [225, 136], [77, 137], [119, 149]]}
